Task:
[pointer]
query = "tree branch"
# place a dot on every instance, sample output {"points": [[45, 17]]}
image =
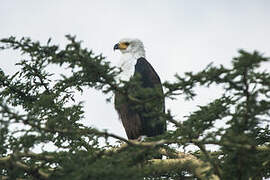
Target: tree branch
{"points": [[184, 161], [33, 171]]}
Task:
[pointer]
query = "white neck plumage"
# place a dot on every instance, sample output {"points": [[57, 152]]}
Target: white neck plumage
{"points": [[127, 64]]}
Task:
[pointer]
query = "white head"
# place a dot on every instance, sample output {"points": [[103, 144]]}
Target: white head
{"points": [[133, 47], [132, 50]]}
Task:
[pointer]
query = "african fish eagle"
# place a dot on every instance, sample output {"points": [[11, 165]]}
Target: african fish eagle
{"points": [[139, 123]]}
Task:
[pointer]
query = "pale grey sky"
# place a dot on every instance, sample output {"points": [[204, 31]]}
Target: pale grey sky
{"points": [[179, 36]]}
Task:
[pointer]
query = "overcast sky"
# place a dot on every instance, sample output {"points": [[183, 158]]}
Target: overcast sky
{"points": [[179, 36]]}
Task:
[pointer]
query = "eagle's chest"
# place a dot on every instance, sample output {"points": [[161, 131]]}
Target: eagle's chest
{"points": [[128, 68]]}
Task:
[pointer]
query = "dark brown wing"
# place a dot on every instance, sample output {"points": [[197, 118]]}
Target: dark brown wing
{"points": [[141, 122], [151, 125], [130, 119]]}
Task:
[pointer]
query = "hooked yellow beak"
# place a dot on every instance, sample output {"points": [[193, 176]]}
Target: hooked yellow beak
{"points": [[121, 46]]}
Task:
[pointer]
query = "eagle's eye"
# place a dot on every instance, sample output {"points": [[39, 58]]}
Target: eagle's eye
{"points": [[127, 43]]}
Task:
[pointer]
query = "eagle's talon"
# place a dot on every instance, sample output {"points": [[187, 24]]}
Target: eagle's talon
{"points": [[142, 138]]}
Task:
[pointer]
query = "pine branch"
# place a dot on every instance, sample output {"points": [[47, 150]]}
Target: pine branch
{"points": [[200, 169], [34, 171]]}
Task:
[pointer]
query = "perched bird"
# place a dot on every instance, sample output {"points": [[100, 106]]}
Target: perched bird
{"points": [[139, 123]]}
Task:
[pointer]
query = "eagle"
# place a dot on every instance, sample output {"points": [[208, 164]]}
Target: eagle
{"points": [[139, 123]]}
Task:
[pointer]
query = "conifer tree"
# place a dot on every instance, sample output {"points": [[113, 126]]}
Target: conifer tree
{"points": [[42, 104]]}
